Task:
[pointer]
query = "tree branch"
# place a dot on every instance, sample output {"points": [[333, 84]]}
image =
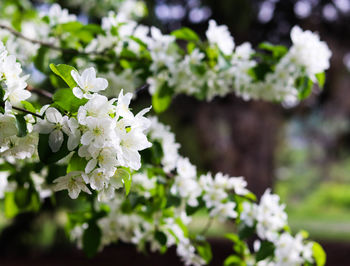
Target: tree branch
{"points": [[43, 93], [27, 112]]}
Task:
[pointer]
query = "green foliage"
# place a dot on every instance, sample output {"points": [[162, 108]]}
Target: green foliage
{"points": [[160, 237], [124, 174], [186, 34], [204, 250], [45, 153], [234, 260], [64, 71], [277, 51], [42, 59], [161, 99], [304, 86], [266, 250], [65, 100], [321, 79], [21, 126], [76, 163], [319, 254], [92, 239]]}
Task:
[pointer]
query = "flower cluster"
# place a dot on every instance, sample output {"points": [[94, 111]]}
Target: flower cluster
{"points": [[104, 132], [269, 219], [11, 80]]}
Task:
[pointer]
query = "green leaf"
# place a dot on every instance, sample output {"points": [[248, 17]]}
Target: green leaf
{"points": [[204, 250], [160, 237], [185, 34], [45, 153], [266, 250], [234, 260], [64, 71], [28, 106], [277, 51], [245, 232], [91, 239], [22, 197], [319, 254], [162, 98], [124, 175], [11, 209], [66, 100], [304, 86], [41, 60], [21, 126], [321, 79], [76, 163]]}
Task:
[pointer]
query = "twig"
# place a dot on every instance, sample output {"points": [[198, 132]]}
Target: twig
{"points": [[141, 88], [43, 93], [26, 111]]}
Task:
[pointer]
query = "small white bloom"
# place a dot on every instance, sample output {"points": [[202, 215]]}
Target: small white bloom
{"points": [[87, 83], [73, 182], [220, 36]]}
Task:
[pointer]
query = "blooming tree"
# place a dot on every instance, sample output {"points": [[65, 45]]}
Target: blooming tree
{"points": [[80, 136]]}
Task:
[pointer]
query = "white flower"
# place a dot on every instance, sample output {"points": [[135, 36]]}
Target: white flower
{"points": [[220, 36], [98, 106], [73, 182], [88, 83], [57, 15], [8, 126], [224, 211], [98, 132], [309, 51], [98, 179], [71, 128], [53, 124], [185, 169], [238, 184]]}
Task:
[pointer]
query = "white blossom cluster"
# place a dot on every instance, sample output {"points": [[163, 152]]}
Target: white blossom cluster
{"points": [[160, 132], [11, 80], [14, 87], [58, 15], [107, 134], [270, 219], [191, 75], [216, 191], [289, 251]]}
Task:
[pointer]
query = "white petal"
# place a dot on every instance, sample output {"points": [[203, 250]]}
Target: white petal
{"points": [[90, 165], [86, 138], [53, 116], [78, 92], [55, 140], [73, 141]]}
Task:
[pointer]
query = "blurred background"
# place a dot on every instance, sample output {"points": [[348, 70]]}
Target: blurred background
{"points": [[303, 153]]}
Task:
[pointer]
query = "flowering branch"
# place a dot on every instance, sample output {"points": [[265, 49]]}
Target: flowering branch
{"points": [[26, 111]]}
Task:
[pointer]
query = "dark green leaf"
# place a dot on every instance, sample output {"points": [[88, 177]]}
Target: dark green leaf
{"points": [[204, 250], [45, 153], [266, 250], [160, 237], [234, 260], [21, 126], [91, 239], [41, 60]]}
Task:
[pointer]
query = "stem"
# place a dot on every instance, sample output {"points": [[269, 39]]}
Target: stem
{"points": [[141, 88], [43, 93], [26, 111]]}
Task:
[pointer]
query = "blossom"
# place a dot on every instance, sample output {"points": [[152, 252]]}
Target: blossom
{"points": [[98, 132], [57, 15], [87, 83], [309, 51], [8, 126], [74, 182], [220, 36], [53, 124]]}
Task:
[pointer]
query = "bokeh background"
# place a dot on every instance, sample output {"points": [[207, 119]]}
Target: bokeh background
{"points": [[303, 153]]}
